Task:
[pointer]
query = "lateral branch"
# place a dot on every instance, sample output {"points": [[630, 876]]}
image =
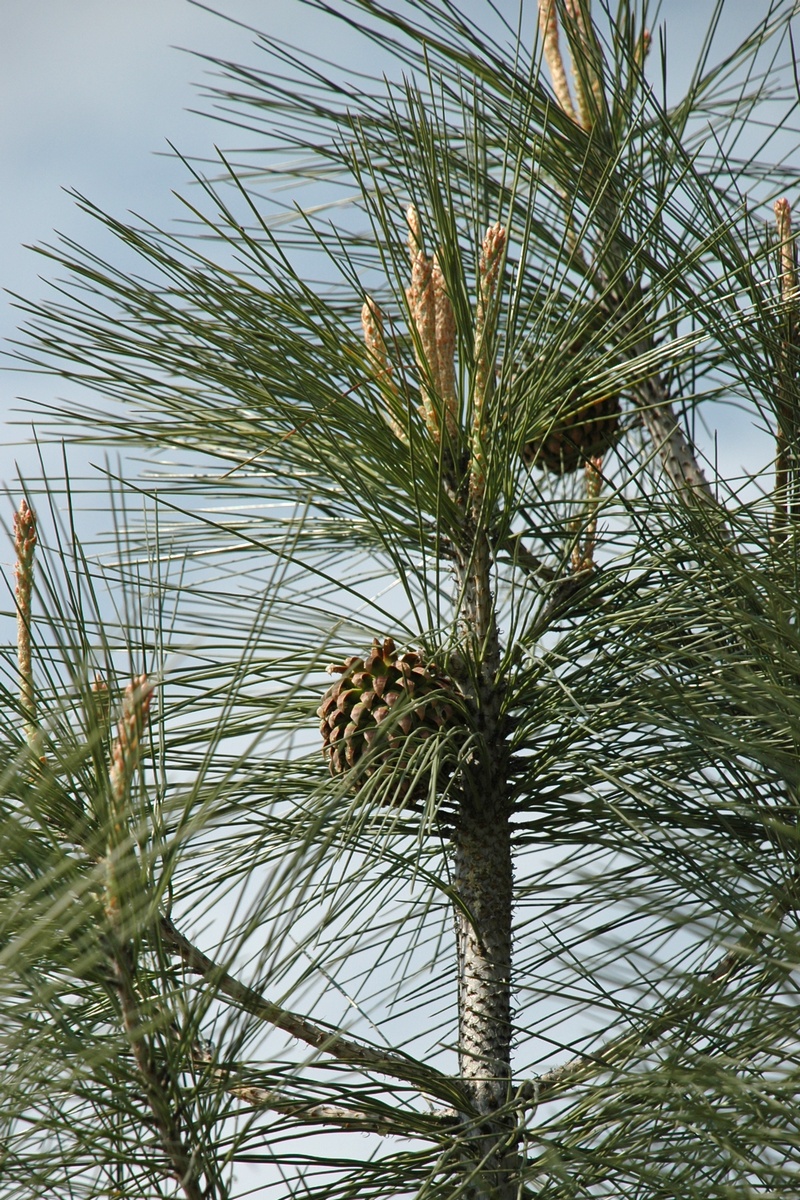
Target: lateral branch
{"points": [[328, 1041], [618, 1049]]}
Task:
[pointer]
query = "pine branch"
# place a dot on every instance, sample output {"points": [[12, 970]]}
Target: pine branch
{"points": [[165, 1113], [121, 894], [650, 693], [618, 1050], [353, 1120], [328, 1041], [675, 451], [349, 1120]]}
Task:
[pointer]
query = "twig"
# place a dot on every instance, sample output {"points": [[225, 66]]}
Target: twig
{"points": [[652, 398], [618, 1049], [522, 557], [328, 1041], [675, 451], [349, 1119], [342, 1116]]}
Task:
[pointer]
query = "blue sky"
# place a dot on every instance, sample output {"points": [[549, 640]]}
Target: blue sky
{"points": [[91, 92]]}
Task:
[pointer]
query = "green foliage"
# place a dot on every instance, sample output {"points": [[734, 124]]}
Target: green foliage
{"points": [[642, 704]]}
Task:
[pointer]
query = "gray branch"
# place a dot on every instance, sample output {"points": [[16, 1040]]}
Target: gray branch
{"points": [[328, 1041], [618, 1049], [675, 451], [343, 1117]]}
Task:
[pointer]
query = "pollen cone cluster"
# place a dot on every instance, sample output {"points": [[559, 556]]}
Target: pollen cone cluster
{"points": [[581, 434], [381, 709]]}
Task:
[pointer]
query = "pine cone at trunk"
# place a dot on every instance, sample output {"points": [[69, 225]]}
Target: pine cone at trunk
{"points": [[579, 431], [381, 709], [576, 438]]}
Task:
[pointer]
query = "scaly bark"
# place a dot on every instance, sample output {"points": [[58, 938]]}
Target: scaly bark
{"points": [[483, 884]]}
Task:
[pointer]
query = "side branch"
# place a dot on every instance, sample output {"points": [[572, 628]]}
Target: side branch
{"points": [[617, 1050], [379, 1119], [122, 879], [652, 399], [348, 1120], [328, 1041], [166, 1116], [676, 454]]}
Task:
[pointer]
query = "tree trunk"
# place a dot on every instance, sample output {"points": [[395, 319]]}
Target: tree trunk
{"points": [[482, 879]]}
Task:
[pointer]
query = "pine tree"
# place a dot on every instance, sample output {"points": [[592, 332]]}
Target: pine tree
{"points": [[507, 907]]}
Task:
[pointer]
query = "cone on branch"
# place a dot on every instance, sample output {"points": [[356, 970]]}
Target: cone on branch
{"points": [[581, 433], [384, 707]]}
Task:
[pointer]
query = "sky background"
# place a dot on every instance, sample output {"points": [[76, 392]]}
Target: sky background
{"points": [[91, 92]]}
